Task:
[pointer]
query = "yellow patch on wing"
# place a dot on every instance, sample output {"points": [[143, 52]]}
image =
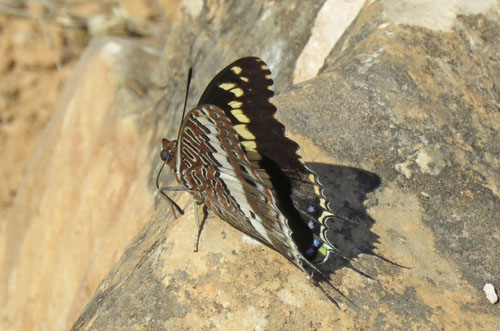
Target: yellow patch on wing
{"points": [[245, 79], [235, 104], [322, 203], [265, 177], [317, 190], [237, 92], [322, 254], [238, 113], [253, 155], [242, 130], [267, 182], [325, 250], [324, 214], [263, 174], [322, 236], [255, 164], [249, 144], [227, 86], [236, 70]]}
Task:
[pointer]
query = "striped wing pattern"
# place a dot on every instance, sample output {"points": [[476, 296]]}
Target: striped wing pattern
{"points": [[234, 157], [216, 170]]}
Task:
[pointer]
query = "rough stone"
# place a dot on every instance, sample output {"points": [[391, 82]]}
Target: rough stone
{"points": [[402, 123], [80, 202]]}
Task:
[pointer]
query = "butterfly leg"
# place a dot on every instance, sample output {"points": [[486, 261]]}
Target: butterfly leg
{"points": [[199, 225], [172, 203]]}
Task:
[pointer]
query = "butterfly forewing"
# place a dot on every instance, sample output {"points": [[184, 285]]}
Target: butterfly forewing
{"points": [[216, 170]]}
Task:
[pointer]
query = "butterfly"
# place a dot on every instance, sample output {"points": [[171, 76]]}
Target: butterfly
{"points": [[233, 157]]}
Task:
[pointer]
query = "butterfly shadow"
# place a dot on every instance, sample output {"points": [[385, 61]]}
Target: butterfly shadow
{"points": [[346, 189]]}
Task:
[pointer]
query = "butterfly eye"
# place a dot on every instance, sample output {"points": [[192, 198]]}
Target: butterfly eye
{"points": [[165, 155]]}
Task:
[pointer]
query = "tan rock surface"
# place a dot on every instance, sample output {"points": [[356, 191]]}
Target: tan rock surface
{"points": [[37, 58], [84, 180], [87, 206]]}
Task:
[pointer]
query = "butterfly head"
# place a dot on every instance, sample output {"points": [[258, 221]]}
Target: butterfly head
{"points": [[168, 151]]}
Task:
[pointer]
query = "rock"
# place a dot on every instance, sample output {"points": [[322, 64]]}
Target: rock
{"points": [[491, 293], [402, 121], [65, 230]]}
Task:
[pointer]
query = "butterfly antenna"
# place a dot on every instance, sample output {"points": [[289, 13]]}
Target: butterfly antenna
{"points": [[173, 205], [190, 75]]}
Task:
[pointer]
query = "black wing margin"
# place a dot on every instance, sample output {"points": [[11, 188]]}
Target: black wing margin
{"points": [[243, 90]]}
